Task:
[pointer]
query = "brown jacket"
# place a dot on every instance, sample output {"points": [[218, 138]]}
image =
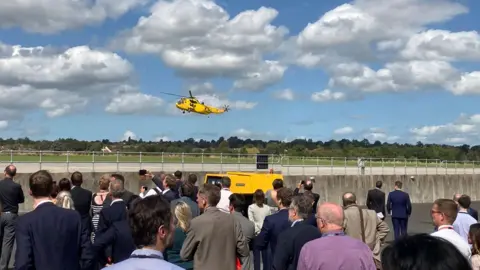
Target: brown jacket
{"points": [[375, 229], [214, 241]]}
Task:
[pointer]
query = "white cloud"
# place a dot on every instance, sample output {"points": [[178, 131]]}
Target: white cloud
{"points": [[58, 82], [51, 16], [378, 134], [327, 95], [285, 94], [136, 103], [465, 129], [3, 124], [129, 134], [247, 134], [199, 39], [343, 131]]}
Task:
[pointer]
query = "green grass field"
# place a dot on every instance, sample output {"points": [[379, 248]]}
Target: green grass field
{"points": [[221, 158]]}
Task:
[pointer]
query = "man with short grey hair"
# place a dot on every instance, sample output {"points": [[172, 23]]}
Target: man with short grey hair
{"points": [[117, 209], [291, 240]]}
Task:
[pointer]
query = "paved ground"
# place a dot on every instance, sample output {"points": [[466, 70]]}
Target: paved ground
{"points": [[286, 170]]}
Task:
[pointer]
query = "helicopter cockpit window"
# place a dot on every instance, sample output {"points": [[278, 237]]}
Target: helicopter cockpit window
{"points": [[182, 100]]}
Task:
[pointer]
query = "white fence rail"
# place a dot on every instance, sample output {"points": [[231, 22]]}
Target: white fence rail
{"points": [[55, 161]]}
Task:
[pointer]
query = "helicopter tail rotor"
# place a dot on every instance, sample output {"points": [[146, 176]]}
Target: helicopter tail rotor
{"points": [[226, 108]]}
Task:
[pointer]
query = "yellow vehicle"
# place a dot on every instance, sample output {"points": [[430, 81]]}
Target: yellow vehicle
{"points": [[192, 105], [245, 183]]}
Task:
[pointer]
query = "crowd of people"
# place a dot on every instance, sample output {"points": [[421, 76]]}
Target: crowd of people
{"points": [[178, 225]]}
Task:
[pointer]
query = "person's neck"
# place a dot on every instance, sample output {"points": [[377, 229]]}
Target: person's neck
{"points": [[463, 210], [281, 207], [444, 225], [158, 247], [38, 200], [331, 228]]}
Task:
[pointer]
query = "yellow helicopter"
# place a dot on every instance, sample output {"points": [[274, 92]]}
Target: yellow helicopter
{"points": [[193, 105]]}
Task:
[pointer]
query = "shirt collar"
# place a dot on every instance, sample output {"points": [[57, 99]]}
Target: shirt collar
{"points": [[296, 221], [165, 190], [442, 227], [334, 233], [147, 251], [116, 200]]}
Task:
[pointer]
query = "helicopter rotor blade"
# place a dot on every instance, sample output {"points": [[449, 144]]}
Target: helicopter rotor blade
{"points": [[190, 92], [170, 94]]}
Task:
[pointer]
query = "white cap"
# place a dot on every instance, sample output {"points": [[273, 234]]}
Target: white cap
{"points": [[312, 178]]}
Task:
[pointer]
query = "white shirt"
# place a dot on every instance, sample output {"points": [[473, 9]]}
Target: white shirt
{"points": [[224, 202], [115, 200], [298, 220], [152, 192], [448, 233]]}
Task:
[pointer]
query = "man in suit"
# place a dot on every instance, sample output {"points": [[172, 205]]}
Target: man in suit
{"points": [[210, 241], [308, 188], [119, 238], [50, 237], [127, 195], [275, 224], [82, 199], [152, 229], [187, 190], [237, 205], [376, 200], [365, 225], [170, 185], [400, 208], [117, 209], [291, 240], [11, 195], [472, 212]]}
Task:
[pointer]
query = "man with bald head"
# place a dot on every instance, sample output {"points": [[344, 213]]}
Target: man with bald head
{"points": [[338, 251], [11, 195], [364, 224]]}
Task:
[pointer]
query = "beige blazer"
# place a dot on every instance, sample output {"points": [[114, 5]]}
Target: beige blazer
{"points": [[375, 229], [214, 241]]}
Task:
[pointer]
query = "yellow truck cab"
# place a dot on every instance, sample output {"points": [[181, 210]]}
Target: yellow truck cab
{"points": [[245, 183]]}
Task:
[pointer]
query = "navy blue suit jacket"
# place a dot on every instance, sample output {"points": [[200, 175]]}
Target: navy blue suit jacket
{"points": [[399, 204], [52, 238], [119, 237], [273, 225], [108, 215]]}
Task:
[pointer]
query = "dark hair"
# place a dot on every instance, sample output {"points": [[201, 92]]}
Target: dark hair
{"points": [[379, 184], [349, 198], [398, 184], [474, 234], [423, 252], [259, 197], [308, 186], [187, 190], [192, 178], [277, 184], [119, 177], [64, 184], [212, 194], [170, 182], [309, 196], [11, 170], [146, 216], [302, 205], [178, 174], [76, 178], [237, 201], [448, 208], [55, 190], [464, 201], [284, 195], [226, 182], [41, 184]]}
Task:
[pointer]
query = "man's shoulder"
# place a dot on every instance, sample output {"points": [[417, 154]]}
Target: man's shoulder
{"points": [[131, 263]]}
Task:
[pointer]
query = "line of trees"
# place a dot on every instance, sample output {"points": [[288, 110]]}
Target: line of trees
{"points": [[299, 147]]}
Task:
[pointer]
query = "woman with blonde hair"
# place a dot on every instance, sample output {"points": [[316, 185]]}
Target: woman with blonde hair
{"points": [[182, 216], [97, 201], [64, 198]]}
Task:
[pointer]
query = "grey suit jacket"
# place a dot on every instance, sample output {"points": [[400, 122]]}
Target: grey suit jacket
{"points": [[248, 230], [214, 241]]}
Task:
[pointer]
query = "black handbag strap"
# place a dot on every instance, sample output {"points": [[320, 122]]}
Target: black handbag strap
{"points": [[362, 225]]}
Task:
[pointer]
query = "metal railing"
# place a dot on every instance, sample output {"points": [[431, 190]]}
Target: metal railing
{"points": [[294, 165]]}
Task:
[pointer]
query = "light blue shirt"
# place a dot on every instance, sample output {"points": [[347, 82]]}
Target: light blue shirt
{"points": [[462, 224], [144, 263]]}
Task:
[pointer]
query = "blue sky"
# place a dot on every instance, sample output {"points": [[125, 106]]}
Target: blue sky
{"points": [[391, 70]]}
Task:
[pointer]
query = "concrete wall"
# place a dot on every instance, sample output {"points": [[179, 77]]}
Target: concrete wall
{"points": [[424, 189]]}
